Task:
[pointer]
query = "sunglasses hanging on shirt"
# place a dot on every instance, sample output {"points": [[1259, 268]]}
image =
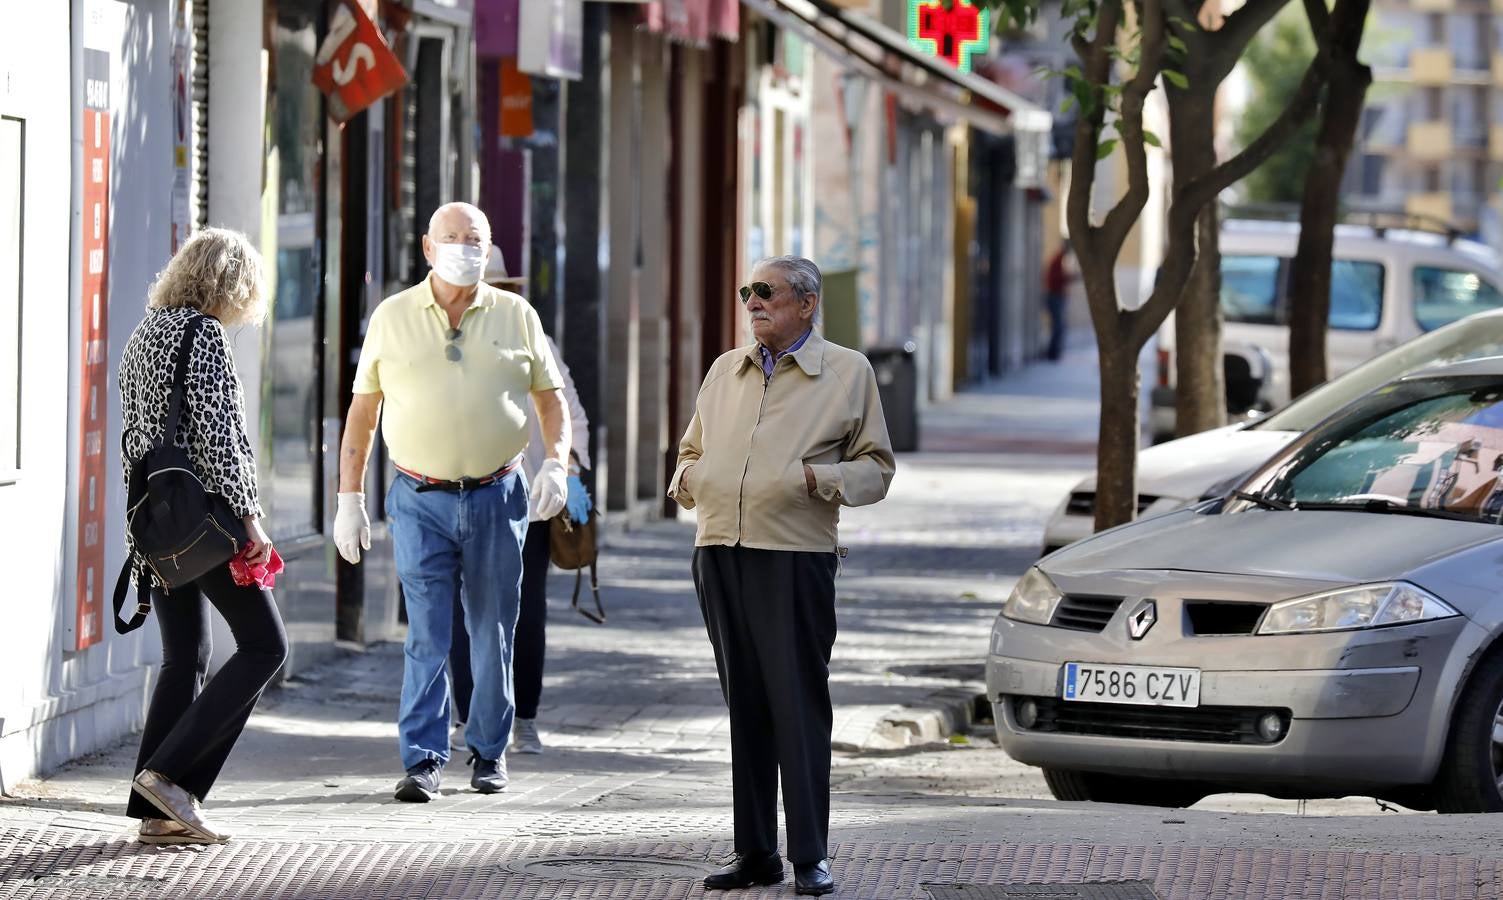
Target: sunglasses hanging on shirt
{"points": [[451, 349]]}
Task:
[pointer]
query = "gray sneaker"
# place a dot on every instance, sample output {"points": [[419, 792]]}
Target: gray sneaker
{"points": [[489, 776], [456, 739], [524, 736]]}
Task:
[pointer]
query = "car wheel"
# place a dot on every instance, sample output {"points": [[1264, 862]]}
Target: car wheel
{"points": [[1065, 784], [1471, 779]]}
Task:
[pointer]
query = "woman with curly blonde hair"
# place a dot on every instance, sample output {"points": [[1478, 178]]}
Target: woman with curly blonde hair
{"points": [[214, 280]]}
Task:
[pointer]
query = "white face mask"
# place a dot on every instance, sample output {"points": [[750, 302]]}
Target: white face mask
{"points": [[459, 264]]}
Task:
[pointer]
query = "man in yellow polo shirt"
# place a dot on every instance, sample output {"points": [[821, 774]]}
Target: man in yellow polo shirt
{"points": [[452, 362]]}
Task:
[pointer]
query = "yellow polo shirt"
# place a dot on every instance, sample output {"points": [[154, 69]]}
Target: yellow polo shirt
{"points": [[448, 419]]}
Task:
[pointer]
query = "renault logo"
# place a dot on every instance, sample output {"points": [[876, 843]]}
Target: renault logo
{"points": [[1141, 619]]}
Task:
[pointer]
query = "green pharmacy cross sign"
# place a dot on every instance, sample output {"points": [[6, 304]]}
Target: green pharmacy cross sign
{"points": [[955, 34]]}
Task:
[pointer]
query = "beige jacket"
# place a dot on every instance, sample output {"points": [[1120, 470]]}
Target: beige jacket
{"points": [[741, 463]]}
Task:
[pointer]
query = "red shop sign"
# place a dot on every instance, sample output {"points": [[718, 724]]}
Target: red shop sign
{"points": [[355, 67]]}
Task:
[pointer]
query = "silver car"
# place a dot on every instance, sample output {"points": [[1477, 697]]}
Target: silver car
{"points": [[1329, 628]]}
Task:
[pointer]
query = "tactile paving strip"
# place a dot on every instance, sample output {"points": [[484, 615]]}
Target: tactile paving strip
{"points": [[63, 863]]}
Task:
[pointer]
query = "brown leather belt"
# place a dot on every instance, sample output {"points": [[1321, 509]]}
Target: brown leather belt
{"points": [[460, 484]]}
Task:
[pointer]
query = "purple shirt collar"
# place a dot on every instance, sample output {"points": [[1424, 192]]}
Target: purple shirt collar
{"points": [[769, 359]]}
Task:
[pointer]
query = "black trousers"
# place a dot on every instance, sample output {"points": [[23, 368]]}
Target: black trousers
{"points": [[191, 726], [770, 615], [531, 639]]}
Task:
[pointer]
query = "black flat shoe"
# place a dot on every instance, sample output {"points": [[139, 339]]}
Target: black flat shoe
{"points": [[745, 871], [813, 878]]}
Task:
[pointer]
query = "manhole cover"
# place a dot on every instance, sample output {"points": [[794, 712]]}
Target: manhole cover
{"points": [[1100, 890], [609, 868]]}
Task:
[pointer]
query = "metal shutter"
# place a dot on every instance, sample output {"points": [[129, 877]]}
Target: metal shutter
{"points": [[200, 201]]}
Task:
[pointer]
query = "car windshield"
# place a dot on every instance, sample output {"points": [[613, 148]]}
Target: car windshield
{"points": [[1432, 447], [1471, 338]]}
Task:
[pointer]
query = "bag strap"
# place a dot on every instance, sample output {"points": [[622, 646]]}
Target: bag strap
{"points": [[180, 379], [598, 617], [143, 606]]}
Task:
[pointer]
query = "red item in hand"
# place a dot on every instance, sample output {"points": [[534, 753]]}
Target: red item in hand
{"points": [[262, 574]]}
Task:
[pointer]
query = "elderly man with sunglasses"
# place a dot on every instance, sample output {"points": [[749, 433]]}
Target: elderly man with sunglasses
{"points": [[785, 431], [452, 361]]}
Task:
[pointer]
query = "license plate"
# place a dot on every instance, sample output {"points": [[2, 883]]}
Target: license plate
{"points": [[1132, 685]]}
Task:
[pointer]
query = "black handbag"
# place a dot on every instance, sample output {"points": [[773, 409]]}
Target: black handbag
{"points": [[180, 529]]}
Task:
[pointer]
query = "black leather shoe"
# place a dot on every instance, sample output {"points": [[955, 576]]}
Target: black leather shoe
{"points": [[421, 783], [813, 878], [745, 871]]}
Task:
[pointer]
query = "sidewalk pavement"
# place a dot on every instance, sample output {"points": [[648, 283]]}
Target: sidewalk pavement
{"points": [[631, 798]]}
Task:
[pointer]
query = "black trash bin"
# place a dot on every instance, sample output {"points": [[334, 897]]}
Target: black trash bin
{"points": [[897, 387]]}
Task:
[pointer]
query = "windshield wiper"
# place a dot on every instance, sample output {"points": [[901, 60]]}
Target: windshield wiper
{"points": [[1377, 505], [1265, 502]]}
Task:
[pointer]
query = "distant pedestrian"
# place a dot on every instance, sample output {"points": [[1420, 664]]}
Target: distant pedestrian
{"points": [[784, 432], [455, 362], [214, 280], [532, 621], [1057, 277]]}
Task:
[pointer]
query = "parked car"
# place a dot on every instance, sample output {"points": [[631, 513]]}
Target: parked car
{"points": [[1175, 474], [1387, 286], [1331, 627]]}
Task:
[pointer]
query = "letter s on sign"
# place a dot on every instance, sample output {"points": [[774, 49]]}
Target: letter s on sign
{"points": [[360, 53]]}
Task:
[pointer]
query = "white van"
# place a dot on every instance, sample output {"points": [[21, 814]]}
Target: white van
{"points": [[1387, 286]]}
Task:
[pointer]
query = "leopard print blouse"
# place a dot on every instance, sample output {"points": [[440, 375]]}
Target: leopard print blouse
{"points": [[212, 426]]}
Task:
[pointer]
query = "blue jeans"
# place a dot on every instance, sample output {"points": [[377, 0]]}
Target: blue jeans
{"points": [[443, 541]]}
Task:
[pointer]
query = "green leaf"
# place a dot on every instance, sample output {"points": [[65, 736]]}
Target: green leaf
{"points": [[959, 739], [1183, 24], [1105, 148], [1178, 45], [1066, 105], [1151, 139], [1177, 79]]}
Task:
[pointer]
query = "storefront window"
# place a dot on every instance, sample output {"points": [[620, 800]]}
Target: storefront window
{"points": [[290, 379]]}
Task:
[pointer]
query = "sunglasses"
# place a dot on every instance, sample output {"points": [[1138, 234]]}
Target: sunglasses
{"points": [[761, 288], [451, 349]]}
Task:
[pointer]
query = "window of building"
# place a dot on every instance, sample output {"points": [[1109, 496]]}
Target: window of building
{"points": [[291, 376], [1441, 296], [12, 182]]}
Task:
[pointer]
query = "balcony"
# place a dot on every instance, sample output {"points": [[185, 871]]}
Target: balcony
{"points": [[1436, 205], [1432, 67], [1430, 140]]}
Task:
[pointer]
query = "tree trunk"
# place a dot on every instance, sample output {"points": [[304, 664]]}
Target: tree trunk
{"points": [[1310, 273], [1200, 386], [1117, 443]]}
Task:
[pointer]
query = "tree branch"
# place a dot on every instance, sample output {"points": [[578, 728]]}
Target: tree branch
{"points": [[1204, 189], [1240, 27], [1095, 62], [1119, 221], [1320, 19]]}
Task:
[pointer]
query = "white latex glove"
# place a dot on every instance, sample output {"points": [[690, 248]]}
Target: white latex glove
{"points": [[352, 527], [550, 490]]}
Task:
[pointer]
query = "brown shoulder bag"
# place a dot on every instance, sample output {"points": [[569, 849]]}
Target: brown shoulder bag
{"points": [[571, 545]]}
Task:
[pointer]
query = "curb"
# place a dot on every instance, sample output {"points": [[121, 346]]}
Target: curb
{"points": [[945, 712]]}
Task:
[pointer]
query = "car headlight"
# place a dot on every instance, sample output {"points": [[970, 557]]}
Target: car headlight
{"points": [[1033, 599], [1366, 606]]}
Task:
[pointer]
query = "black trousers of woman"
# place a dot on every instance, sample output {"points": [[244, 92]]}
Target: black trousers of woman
{"points": [[191, 726], [531, 638]]}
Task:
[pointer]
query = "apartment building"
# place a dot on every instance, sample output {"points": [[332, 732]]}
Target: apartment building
{"points": [[1432, 137]]}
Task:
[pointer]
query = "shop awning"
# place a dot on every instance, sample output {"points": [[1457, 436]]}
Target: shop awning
{"points": [[885, 56]]}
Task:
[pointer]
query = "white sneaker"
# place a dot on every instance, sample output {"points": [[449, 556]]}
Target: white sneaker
{"points": [[456, 740], [524, 736]]}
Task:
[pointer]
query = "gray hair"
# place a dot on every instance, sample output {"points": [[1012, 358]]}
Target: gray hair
{"points": [[802, 274]]}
